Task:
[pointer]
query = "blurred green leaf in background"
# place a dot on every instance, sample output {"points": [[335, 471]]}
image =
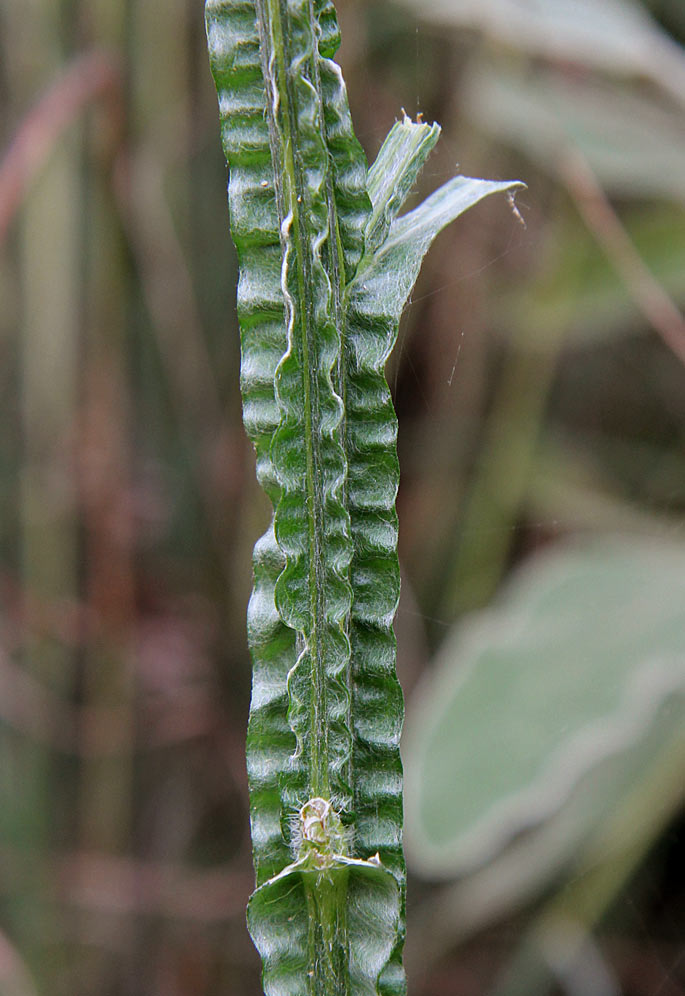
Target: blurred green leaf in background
{"points": [[539, 747], [540, 386]]}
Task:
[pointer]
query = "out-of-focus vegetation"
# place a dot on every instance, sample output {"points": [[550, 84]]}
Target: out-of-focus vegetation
{"points": [[540, 385]]}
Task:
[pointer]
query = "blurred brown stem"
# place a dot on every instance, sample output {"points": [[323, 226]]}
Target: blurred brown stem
{"points": [[105, 884], [101, 731], [114, 885], [90, 77], [167, 285], [601, 219], [15, 978]]}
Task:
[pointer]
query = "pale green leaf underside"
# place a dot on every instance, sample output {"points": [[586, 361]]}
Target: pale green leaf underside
{"points": [[394, 173], [326, 710], [385, 279], [543, 713]]}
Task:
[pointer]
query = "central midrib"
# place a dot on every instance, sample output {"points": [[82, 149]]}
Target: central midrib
{"points": [[339, 287], [291, 191]]}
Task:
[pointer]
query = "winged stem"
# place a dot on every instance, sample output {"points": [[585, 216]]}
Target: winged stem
{"points": [[325, 270]]}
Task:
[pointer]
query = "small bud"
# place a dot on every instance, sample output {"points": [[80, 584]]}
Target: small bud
{"points": [[322, 831]]}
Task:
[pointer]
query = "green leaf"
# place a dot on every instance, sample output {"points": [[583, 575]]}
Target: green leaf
{"points": [[394, 173], [311, 523], [376, 298], [543, 713], [385, 278], [357, 899], [326, 713], [298, 207], [235, 60]]}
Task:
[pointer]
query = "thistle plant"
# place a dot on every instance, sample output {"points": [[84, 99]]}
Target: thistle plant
{"points": [[326, 268]]}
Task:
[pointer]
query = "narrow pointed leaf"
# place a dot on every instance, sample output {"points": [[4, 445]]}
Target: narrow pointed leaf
{"points": [[394, 173], [385, 279]]}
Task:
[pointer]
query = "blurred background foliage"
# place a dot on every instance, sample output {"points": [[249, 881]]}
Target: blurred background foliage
{"points": [[540, 385]]}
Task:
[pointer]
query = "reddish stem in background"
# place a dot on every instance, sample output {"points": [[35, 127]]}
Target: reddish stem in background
{"points": [[602, 220], [90, 77]]}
